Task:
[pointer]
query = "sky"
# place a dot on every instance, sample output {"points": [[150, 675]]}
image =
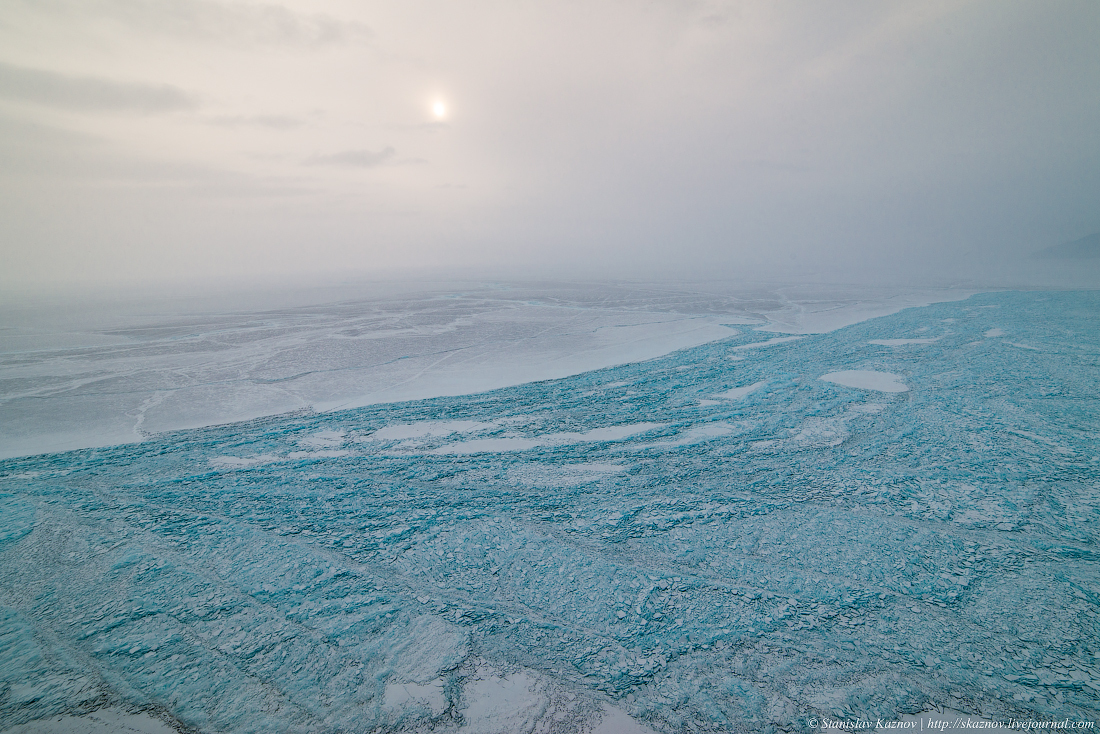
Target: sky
{"points": [[172, 140]]}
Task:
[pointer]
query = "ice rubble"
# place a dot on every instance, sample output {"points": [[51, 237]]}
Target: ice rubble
{"points": [[809, 549]]}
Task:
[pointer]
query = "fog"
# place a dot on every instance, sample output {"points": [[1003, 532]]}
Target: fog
{"points": [[198, 141]]}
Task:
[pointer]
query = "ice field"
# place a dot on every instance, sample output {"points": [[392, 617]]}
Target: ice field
{"points": [[898, 515], [76, 375]]}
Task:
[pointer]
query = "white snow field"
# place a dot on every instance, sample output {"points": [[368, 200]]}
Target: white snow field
{"points": [[80, 375], [605, 551]]}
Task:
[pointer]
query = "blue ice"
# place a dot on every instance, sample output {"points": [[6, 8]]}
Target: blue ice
{"points": [[706, 543]]}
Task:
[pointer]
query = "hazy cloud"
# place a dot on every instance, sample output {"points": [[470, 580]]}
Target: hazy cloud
{"points": [[354, 158], [606, 136], [274, 122], [1086, 248], [265, 23], [88, 93], [34, 155]]}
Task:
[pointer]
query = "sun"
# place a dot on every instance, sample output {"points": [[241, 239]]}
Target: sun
{"points": [[439, 109]]}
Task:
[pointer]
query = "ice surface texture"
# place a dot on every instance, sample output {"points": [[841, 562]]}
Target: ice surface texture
{"points": [[119, 378], [107, 375], [705, 563]]}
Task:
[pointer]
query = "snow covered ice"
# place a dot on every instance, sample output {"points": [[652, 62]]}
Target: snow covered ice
{"points": [[897, 515], [85, 375]]}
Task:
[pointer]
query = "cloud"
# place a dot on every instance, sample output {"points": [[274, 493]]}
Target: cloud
{"points": [[591, 137], [354, 158], [41, 157], [274, 122], [264, 23], [89, 93]]}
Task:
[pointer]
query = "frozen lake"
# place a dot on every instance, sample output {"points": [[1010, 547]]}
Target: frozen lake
{"points": [[742, 535]]}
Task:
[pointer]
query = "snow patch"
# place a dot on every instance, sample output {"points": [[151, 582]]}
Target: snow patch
{"points": [[330, 454], [616, 721], [241, 462], [766, 343], [502, 705], [517, 443], [104, 721], [611, 433], [822, 432], [903, 342], [568, 475], [867, 380], [399, 697], [739, 392], [427, 429], [694, 435], [324, 440]]}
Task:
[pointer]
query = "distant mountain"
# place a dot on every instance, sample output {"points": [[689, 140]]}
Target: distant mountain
{"points": [[1086, 248]]}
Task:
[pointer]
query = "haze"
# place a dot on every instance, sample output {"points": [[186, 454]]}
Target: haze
{"points": [[150, 141]]}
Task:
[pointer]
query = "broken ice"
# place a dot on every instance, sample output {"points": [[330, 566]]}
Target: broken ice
{"points": [[690, 543]]}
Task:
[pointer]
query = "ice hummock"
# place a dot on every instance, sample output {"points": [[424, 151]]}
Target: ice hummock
{"points": [[804, 549]]}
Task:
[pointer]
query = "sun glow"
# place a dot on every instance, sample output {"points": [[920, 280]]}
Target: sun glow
{"points": [[440, 110]]}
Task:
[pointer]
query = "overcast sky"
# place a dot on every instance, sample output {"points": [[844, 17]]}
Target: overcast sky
{"points": [[175, 139]]}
